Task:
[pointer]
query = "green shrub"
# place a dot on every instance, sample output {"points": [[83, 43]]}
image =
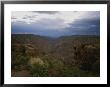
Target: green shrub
{"points": [[39, 70], [18, 60]]}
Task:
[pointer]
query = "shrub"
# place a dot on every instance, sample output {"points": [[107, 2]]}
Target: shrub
{"points": [[19, 60], [39, 70]]}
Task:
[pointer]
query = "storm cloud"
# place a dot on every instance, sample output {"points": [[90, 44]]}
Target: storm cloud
{"points": [[56, 23]]}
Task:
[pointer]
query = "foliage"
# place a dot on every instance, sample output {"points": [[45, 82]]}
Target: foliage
{"points": [[70, 56], [39, 70]]}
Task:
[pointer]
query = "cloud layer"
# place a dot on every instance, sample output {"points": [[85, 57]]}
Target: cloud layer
{"points": [[52, 23]]}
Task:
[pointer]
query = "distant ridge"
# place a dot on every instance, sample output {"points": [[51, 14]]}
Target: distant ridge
{"points": [[27, 34]]}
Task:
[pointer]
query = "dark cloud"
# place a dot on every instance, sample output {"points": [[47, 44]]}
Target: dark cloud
{"points": [[13, 18], [33, 16], [85, 26], [24, 18], [86, 22], [80, 27], [46, 12]]}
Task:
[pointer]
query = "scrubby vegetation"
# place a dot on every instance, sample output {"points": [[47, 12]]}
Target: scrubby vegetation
{"points": [[68, 56]]}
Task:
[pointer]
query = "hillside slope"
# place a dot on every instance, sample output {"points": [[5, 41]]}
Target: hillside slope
{"points": [[55, 57]]}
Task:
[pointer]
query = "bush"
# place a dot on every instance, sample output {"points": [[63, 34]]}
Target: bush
{"points": [[96, 68], [18, 61], [39, 70]]}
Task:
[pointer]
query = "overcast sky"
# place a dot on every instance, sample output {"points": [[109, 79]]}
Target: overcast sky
{"points": [[56, 23]]}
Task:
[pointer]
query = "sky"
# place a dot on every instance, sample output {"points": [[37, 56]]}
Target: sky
{"points": [[55, 23]]}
